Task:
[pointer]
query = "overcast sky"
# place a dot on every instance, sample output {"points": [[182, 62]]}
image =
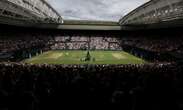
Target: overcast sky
{"points": [[110, 10]]}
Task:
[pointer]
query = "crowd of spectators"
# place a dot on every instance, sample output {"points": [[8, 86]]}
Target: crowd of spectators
{"points": [[17, 45], [155, 43], [9, 43], [129, 87], [83, 42]]}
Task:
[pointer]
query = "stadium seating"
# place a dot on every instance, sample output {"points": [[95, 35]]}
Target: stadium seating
{"points": [[16, 45], [130, 87]]}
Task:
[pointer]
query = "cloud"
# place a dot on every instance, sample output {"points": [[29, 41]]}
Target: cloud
{"points": [[111, 10]]}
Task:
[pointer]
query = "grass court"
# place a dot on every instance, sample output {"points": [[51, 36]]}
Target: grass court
{"points": [[76, 57]]}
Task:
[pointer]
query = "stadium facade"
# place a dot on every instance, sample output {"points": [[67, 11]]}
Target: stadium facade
{"points": [[39, 13]]}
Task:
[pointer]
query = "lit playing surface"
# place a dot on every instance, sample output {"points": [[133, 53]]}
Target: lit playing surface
{"points": [[75, 57]]}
